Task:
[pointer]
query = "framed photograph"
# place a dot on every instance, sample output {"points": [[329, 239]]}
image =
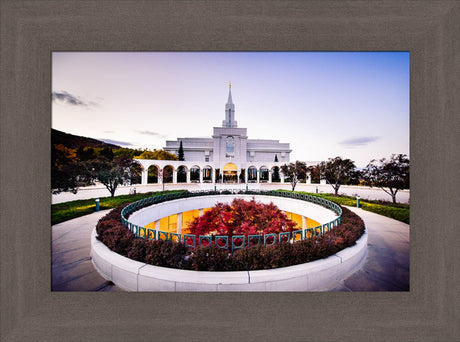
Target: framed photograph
{"points": [[32, 32]]}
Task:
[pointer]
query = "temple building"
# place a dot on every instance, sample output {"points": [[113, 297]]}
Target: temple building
{"points": [[228, 156]]}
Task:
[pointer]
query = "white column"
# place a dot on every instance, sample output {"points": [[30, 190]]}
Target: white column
{"points": [[213, 175], [145, 175], [282, 177], [179, 223], [304, 222], [270, 176], [201, 212], [188, 176], [201, 175], [258, 175], [308, 178], [175, 176], [157, 226]]}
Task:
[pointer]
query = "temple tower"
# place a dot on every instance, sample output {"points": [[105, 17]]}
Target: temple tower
{"points": [[229, 121]]}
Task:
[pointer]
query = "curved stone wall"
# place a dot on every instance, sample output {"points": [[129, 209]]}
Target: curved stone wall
{"points": [[318, 275]]}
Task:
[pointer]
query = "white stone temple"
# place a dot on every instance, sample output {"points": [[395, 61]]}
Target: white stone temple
{"points": [[228, 156]]}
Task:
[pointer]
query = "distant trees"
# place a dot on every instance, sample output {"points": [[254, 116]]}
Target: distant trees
{"points": [[336, 171], [390, 173], [85, 153], [157, 154], [65, 169], [295, 171]]}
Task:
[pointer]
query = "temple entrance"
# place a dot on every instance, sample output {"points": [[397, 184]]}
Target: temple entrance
{"points": [[230, 173]]}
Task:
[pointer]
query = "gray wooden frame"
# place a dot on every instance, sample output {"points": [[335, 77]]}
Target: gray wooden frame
{"points": [[31, 30]]}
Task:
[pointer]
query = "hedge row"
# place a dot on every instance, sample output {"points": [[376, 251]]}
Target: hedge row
{"points": [[211, 258]]}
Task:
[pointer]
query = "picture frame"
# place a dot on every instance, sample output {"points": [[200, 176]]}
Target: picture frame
{"points": [[32, 30]]}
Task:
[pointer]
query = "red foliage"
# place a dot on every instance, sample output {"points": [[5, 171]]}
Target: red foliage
{"points": [[242, 218]]}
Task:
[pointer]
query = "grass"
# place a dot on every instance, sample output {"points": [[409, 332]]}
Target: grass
{"points": [[397, 211], [66, 211]]}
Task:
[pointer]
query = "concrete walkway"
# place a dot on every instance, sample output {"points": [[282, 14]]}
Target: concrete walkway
{"points": [[364, 192], [386, 267], [72, 269]]}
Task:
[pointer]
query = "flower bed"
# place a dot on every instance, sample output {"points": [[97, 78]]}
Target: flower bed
{"points": [[119, 239]]}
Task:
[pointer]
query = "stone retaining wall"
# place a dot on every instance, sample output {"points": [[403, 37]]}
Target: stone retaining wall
{"points": [[313, 276]]}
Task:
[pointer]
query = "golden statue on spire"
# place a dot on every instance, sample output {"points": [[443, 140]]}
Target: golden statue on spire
{"points": [[230, 85]]}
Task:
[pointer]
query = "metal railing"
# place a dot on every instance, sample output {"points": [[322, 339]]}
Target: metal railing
{"points": [[229, 242]]}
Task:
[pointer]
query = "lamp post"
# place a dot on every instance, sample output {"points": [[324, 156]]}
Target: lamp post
{"points": [[97, 204]]}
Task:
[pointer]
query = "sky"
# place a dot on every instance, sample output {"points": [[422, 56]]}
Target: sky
{"points": [[325, 104]]}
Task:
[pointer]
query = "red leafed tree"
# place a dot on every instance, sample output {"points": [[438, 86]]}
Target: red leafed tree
{"points": [[242, 218]]}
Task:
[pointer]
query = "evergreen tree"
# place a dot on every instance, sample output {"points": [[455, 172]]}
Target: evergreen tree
{"points": [[181, 152], [276, 171]]}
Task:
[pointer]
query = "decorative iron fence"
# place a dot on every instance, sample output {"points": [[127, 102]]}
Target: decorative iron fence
{"points": [[229, 242]]}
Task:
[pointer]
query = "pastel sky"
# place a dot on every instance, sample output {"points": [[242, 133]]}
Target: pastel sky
{"points": [[325, 104]]}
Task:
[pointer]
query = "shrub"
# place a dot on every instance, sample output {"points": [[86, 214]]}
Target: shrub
{"points": [[242, 218]]}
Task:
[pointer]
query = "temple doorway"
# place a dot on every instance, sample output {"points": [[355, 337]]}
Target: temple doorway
{"points": [[230, 173]]}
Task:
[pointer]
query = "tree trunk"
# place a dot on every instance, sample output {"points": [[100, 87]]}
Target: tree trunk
{"points": [[393, 194]]}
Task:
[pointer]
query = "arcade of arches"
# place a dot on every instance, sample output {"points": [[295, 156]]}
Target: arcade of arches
{"points": [[173, 171]]}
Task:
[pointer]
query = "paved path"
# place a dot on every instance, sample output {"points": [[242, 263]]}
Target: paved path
{"points": [[386, 267], [364, 192], [72, 269]]}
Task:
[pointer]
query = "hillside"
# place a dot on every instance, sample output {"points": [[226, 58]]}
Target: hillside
{"points": [[75, 141]]}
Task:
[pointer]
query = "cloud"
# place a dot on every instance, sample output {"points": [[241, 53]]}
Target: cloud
{"points": [[148, 132], [71, 99], [116, 142], [155, 134], [359, 141]]}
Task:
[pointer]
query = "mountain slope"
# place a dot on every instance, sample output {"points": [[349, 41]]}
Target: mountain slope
{"points": [[75, 141]]}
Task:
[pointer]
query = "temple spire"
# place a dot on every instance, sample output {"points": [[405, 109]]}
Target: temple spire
{"points": [[229, 121], [229, 101]]}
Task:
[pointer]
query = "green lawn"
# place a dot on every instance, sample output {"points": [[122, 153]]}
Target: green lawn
{"points": [[397, 211], [66, 211]]}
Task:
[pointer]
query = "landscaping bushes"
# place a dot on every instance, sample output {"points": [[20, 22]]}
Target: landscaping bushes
{"points": [[212, 258], [242, 218]]}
